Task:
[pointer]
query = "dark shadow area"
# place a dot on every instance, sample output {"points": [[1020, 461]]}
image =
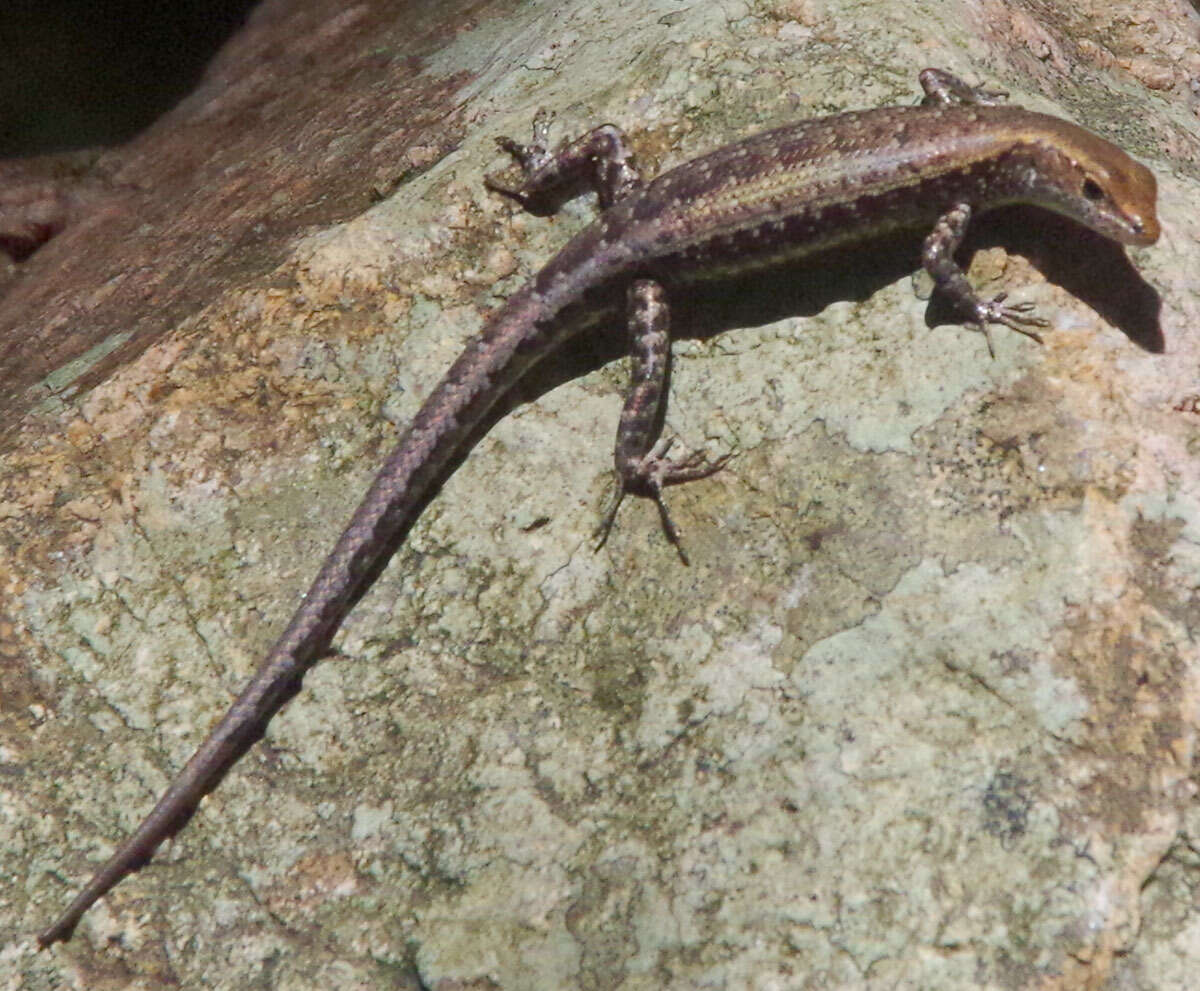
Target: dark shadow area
{"points": [[79, 73], [1090, 267]]}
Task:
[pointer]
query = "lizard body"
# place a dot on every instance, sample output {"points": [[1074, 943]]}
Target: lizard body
{"points": [[767, 200]]}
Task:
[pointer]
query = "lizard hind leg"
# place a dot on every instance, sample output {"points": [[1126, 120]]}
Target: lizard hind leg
{"points": [[945, 88], [640, 457], [600, 161]]}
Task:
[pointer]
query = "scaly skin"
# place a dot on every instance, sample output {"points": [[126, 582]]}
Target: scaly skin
{"points": [[770, 199]]}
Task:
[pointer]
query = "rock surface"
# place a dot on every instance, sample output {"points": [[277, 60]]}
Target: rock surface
{"points": [[920, 714]]}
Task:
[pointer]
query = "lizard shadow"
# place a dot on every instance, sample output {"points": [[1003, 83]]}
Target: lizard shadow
{"points": [[1088, 266]]}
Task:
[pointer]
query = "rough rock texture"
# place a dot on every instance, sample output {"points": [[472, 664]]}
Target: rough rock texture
{"points": [[922, 713]]}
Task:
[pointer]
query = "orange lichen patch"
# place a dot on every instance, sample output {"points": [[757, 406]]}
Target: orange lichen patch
{"points": [[314, 880]]}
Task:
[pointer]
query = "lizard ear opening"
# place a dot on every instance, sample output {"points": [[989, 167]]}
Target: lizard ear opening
{"points": [[1092, 190]]}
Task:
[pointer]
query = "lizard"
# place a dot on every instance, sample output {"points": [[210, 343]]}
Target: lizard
{"points": [[769, 200]]}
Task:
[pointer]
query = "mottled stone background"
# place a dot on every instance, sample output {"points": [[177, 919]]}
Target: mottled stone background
{"points": [[920, 714]]}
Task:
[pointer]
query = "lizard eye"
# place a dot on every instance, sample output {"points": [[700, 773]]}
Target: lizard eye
{"points": [[1091, 190]]}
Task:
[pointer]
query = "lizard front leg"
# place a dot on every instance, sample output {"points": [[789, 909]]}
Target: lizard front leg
{"points": [[642, 466], [937, 256]]}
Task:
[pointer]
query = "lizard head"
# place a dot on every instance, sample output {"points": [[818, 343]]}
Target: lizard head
{"points": [[1091, 181]]}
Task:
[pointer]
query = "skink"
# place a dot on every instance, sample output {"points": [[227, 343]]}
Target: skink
{"points": [[766, 201]]}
